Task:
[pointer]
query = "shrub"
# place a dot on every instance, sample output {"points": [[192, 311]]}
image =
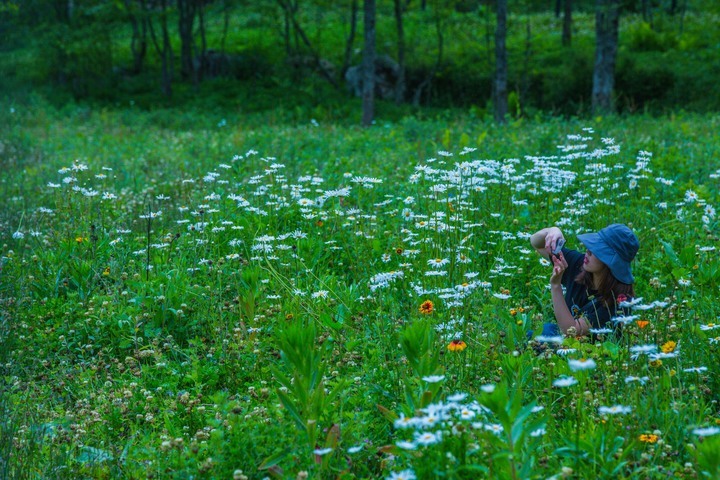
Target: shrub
{"points": [[642, 84]]}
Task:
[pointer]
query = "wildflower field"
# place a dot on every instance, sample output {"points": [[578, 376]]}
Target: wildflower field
{"points": [[206, 297]]}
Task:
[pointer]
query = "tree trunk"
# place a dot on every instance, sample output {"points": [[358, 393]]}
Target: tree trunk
{"points": [[567, 24], [287, 32], [682, 16], [138, 42], [203, 43], [525, 80], [558, 8], [607, 17], [351, 38], [400, 84], [501, 101], [427, 82], [368, 91], [186, 20], [165, 52], [226, 25]]}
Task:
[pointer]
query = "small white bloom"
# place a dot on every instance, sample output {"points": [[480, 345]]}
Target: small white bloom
{"points": [[578, 365], [614, 410], [495, 428], [565, 382], [546, 339], [403, 475], [640, 380], [565, 351], [427, 438]]}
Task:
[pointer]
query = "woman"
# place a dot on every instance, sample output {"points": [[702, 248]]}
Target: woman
{"points": [[594, 283]]}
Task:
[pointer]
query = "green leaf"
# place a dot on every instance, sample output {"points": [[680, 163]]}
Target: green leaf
{"points": [[679, 272], [612, 349], [274, 459], [389, 415], [93, 455], [328, 321], [342, 314], [288, 404], [670, 252]]}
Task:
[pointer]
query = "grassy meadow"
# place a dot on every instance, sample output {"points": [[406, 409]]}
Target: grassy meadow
{"points": [[191, 295]]}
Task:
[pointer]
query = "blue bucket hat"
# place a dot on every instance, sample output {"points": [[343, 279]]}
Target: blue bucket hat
{"points": [[616, 246]]}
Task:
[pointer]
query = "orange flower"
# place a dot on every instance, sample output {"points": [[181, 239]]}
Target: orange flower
{"points": [[513, 312], [642, 324], [319, 223], [457, 346], [668, 347], [79, 239], [427, 307], [648, 438], [399, 251]]}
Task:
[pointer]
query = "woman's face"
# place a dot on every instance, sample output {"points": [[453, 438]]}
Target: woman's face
{"points": [[592, 264]]}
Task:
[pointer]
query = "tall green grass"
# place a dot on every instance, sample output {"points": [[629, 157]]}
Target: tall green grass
{"points": [[207, 302]]}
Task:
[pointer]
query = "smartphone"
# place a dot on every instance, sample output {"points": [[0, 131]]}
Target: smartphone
{"points": [[558, 246]]}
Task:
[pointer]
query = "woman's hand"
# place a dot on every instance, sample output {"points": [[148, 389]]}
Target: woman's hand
{"points": [[554, 235], [559, 266]]}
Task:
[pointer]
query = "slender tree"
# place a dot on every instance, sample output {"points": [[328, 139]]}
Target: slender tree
{"points": [[186, 21], [567, 23], [351, 38], [501, 67], [226, 24], [607, 16], [290, 11], [139, 41], [368, 84], [202, 55], [439, 14], [400, 84], [165, 51]]}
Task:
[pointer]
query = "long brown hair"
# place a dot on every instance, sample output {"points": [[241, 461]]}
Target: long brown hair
{"points": [[609, 288]]}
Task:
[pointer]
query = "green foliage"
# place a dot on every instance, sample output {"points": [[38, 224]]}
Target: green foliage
{"points": [[643, 84], [708, 457], [663, 64]]}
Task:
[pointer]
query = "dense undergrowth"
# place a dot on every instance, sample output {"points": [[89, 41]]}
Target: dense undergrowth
{"points": [[663, 66]]}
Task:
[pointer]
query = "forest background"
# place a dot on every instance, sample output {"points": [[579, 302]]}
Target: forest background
{"points": [[295, 57]]}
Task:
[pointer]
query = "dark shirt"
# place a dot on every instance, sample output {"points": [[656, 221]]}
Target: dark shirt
{"points": [[581, 301]]}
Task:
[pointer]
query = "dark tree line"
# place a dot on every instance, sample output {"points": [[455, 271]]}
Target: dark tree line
{"points": [[175, 31]]}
